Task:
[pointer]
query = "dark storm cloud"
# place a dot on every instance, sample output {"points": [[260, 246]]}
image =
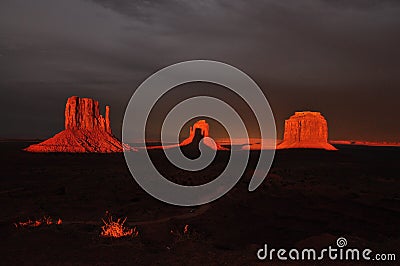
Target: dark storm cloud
{"points": [[310, 39], [338, 57]]}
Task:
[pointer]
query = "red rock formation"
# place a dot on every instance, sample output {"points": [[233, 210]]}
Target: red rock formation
{"points": [[86, 130], [306, 130], [201, 127], [107, 122], [367, 143]]}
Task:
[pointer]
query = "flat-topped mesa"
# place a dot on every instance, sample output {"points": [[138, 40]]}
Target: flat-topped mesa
{"points": [[200, 130], [86, 130], [306, 130]]}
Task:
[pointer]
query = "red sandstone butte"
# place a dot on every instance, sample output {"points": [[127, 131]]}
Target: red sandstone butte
{"points": [[202, 128], [306, 130], [86, 130]]}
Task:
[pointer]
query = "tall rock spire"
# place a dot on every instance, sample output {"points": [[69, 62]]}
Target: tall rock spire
{"points": [[107, 122]]}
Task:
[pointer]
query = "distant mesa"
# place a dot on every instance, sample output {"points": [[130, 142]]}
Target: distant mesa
{"points": [[86, 130], [306, 130], [366, 143], [198, 131]]}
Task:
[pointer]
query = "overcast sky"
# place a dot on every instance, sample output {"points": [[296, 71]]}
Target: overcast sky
{"points": [[339, 57]]}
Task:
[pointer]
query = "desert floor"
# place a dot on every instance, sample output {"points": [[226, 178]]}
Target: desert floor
{"points": [[309, 199]]}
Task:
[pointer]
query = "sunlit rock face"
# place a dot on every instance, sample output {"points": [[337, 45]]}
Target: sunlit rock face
{"points": [[86, 130], [306, 130], [84, 113], [198, 131]]}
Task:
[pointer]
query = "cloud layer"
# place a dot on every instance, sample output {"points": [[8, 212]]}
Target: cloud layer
{"points": [[337, 57]]}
